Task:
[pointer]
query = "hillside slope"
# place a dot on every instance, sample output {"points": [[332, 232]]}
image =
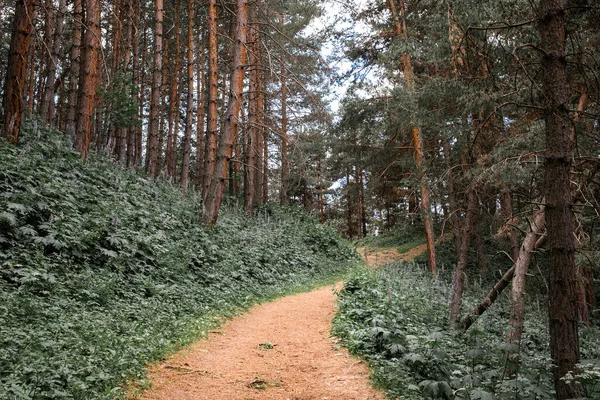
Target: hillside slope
{"points": [[103, 271]]}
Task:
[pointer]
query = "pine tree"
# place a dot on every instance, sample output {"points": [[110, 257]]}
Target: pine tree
{"points": [[217, 186]]}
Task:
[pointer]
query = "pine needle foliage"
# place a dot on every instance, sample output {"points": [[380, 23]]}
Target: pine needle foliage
{"points": [[103, 271]]}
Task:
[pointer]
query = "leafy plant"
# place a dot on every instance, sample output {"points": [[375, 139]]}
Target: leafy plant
{"points": [[396, 317]]}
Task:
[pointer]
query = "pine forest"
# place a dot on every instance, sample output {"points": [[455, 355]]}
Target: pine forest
{"points": [[167, 166]]}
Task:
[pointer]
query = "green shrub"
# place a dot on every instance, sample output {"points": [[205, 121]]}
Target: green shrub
{"points": [[396, 317]]}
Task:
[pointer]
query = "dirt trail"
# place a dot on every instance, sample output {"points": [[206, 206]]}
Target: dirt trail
{"points": [[277, 351], [380, 256]]}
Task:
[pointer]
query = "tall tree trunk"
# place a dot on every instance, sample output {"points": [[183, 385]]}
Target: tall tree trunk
{"points": [[358, 203], [349, 217], [217, 187], [164, 114], [213, 98], [460, 272], [517, 296], [259, 143], [283, 196], [265, 169], [119, 134], [48, 96], [152, 152], [189, 118], [134, 27], [31, 79], [171, 153], [260, 135], [17, 69], [142, 85], [321, 201], [46, 50], [86, 101], [363, 207], [251, 145], [425, 204], [407, 69], [75, 67], [452, 194], [562, 302], [201, 87]]}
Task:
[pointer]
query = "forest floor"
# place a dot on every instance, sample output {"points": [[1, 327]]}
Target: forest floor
{"points": [[282, 350]]}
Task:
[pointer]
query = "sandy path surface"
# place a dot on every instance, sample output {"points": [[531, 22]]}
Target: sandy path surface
{"points": [[280, 350], [380, 256]]}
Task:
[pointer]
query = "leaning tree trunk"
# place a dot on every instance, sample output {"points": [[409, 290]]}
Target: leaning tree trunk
{"points": [[17, 69], [528, 246], [217, 186], [562, 301], [517, 296]]}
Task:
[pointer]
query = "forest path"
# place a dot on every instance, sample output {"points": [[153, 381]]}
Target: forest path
{"points": [[281, 350], [375, 256]]}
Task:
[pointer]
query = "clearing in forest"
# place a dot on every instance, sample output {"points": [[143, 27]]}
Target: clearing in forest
{"points": [[280, 350]]}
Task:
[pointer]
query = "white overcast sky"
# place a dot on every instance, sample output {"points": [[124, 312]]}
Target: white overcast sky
{"points": [[334, 8]]}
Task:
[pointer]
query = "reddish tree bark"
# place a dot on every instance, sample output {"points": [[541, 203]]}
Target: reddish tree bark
{"points": [[90, 73], [217, 187], [409, 77], [17, 69]]}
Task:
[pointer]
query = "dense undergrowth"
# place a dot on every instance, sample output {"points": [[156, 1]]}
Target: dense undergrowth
{"points": [[103, 271], [396, 317]]}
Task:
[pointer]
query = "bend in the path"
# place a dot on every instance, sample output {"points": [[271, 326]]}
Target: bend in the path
{"points": [[375, 256], [277, 351]]}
